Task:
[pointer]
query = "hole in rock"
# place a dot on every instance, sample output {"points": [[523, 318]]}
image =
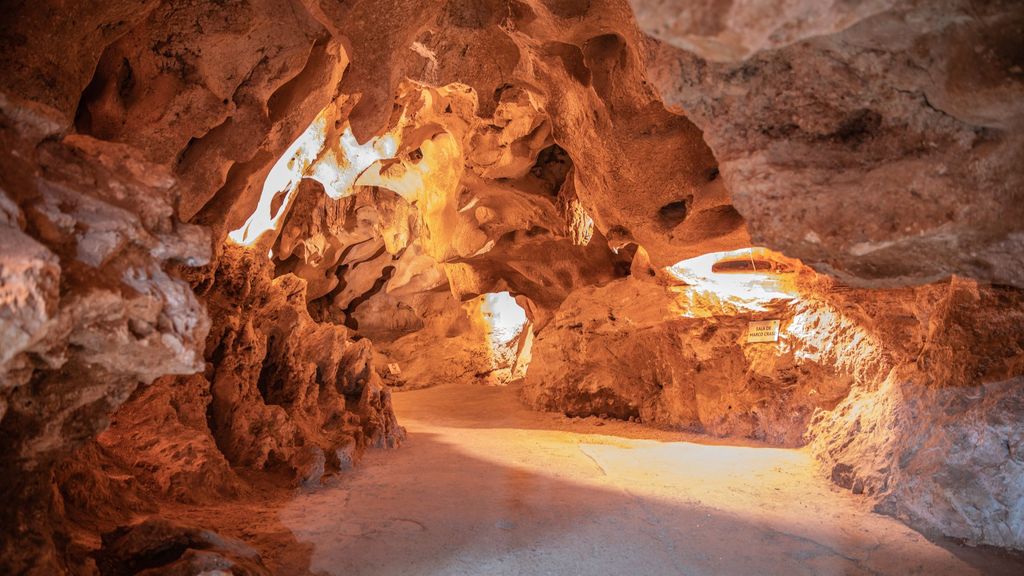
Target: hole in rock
{"points": [[749, 278], [672, 214], [552, 167], [336, 170], [572, 59], [508, 332]]}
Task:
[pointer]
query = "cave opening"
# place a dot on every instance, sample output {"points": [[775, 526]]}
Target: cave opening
{"points": [[488, 287], [508, 334]]}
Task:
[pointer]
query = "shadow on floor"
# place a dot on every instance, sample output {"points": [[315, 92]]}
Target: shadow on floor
{"points": [[429, 508]]}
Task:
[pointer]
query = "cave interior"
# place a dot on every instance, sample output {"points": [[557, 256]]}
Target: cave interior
{"points": [[438, 287]]}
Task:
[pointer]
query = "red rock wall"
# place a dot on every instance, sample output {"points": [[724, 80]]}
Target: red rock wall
{"points": [[877, 143]]}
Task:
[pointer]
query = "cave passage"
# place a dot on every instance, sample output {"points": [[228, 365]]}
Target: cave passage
{"points": [[511, 287], [484, 485]]}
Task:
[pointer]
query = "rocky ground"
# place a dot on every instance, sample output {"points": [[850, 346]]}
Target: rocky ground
{"points": [[484, 485]]}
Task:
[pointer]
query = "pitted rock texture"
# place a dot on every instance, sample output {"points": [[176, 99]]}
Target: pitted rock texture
{"points": [[162, 436], [726, 31], [462, 204], [936, 439], [572, 78], [286, 390], [885, 154], [669, 356], [91, 305]]}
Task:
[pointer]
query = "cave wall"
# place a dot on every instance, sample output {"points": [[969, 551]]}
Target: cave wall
{"points": [[936, 439], [911, 397], [101, 104], [573, 145], [286, 390], [91, 307], [878, 142], [676, 356]]}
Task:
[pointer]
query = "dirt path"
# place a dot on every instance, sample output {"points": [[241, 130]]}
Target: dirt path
{"points": [[484, 486]]}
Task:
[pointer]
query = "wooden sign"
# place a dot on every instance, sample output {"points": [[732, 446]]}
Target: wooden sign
{"points": [[394, 369], [763, 331]]}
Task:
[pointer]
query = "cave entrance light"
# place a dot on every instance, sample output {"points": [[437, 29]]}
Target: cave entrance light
{"points": [[504, 317], [508, 335], [746, 279], [310, 156]]}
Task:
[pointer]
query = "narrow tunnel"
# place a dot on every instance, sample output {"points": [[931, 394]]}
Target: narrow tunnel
{"points": [[511, 287]]}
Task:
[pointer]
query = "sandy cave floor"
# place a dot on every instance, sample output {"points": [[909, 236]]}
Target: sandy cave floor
{"points": [[485, 486]]}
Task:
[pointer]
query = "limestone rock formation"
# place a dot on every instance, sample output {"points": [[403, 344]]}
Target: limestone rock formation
{"points": [[286, 390], [936, 437], [92, 306], [230, 229], [667, 356], [162, 436], [157, 546], [732, 32], [887, 153], [883, 385]]}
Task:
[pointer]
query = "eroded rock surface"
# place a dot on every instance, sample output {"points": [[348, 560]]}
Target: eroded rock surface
{"points": [[287, 390], [936, 438], [883, 385], [887, 153], [92, 306], [222, 223], [157, 546], [669, 357]]}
